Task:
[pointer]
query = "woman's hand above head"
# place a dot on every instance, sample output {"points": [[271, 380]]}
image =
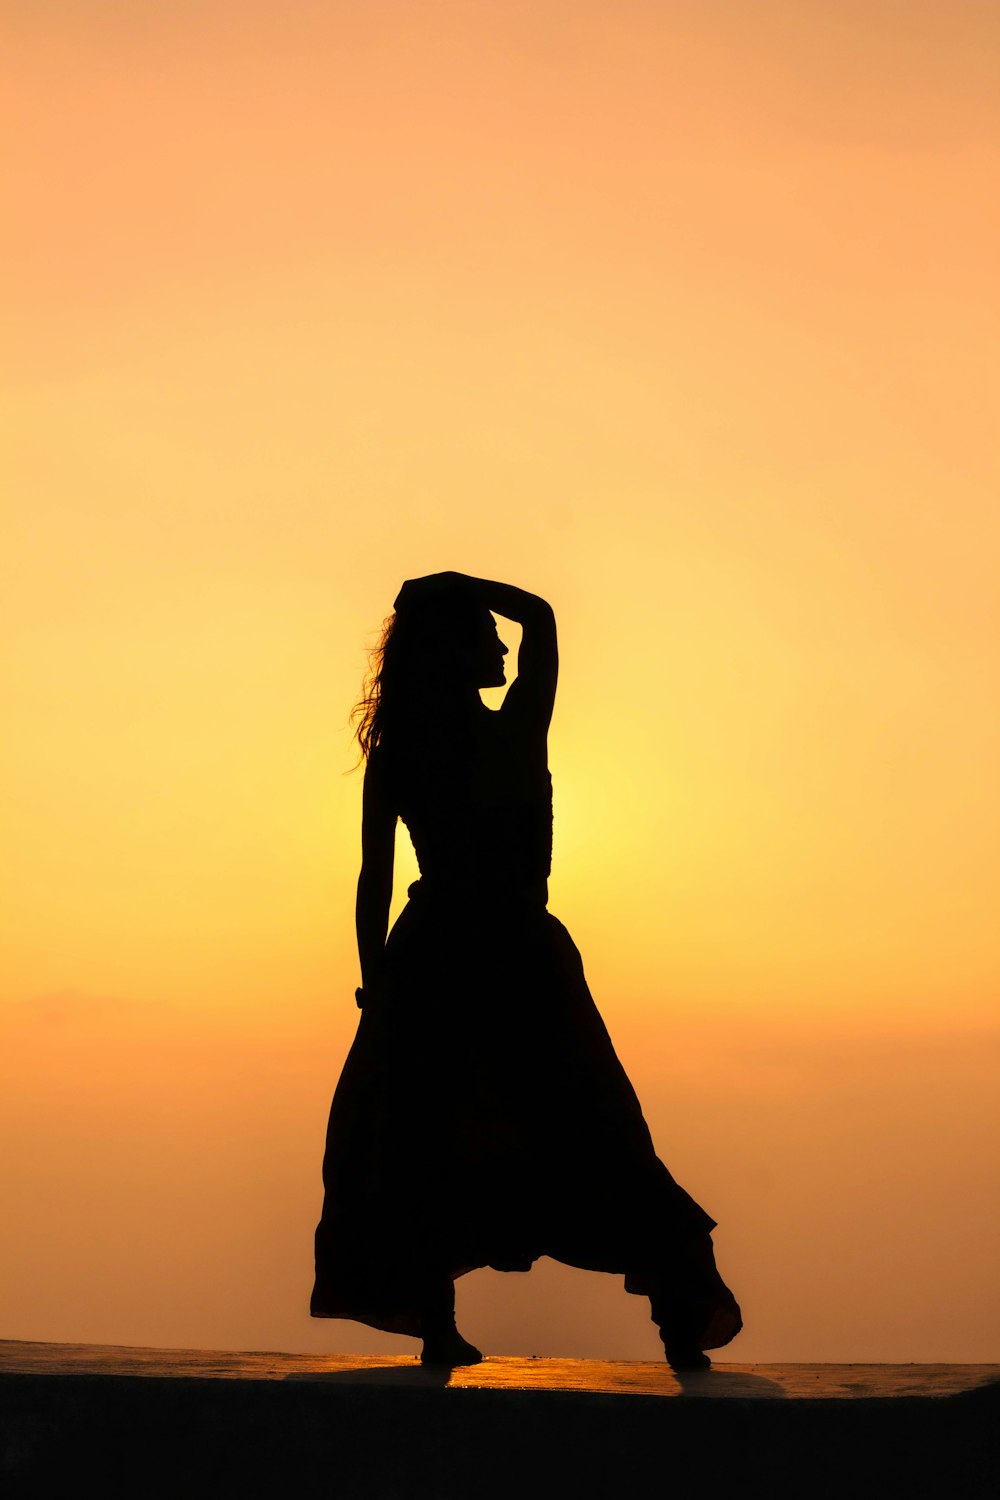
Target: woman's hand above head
{"points": [[501, 598], [434, 586]]}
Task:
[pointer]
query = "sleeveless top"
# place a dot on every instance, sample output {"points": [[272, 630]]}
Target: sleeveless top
{"points": [[478, 808]]}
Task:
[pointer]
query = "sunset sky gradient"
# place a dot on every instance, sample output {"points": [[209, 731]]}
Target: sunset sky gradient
{"points": [[683, 315]]}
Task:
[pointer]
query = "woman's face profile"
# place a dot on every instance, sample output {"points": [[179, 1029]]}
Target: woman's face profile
{"points": [[483, 653]]}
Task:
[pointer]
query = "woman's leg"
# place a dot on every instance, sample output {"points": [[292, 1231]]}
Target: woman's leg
{"points": [[443, 1344], [692, 1306]]}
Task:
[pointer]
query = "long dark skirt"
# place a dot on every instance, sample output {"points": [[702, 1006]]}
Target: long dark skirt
{"points": [[483, 1119]]}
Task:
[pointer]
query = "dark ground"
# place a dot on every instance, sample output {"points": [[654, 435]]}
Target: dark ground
{"points": [[147, 1436]]}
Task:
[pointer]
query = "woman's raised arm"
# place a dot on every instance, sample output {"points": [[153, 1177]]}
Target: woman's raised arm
{"points": [[533, 694], [534, 691]]}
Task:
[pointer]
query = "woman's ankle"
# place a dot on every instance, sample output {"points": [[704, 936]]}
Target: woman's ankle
{"points": [[449, 1348]]}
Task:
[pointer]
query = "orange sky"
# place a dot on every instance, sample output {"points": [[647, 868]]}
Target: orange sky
{"points": [[682, 315]]}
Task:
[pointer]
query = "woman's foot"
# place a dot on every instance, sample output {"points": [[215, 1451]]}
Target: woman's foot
{"points": [[684, 1358], [443, 1344], [447, 1347], [694, 1308]]}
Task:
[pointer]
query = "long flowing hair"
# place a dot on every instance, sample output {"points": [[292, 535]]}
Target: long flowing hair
{"points": [[409, 669], [369, 713]]}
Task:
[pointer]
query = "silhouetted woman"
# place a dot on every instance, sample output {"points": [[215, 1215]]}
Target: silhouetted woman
{"points": [[482, 1117]]}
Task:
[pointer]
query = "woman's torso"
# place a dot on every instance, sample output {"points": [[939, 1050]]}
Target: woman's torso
{"points": [[477, 801]]}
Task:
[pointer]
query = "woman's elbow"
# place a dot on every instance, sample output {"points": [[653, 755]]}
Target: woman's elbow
{"points": [[375, 876]]}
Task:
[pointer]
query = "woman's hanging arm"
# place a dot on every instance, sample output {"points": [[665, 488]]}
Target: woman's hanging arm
{"points": [[378, 847]]}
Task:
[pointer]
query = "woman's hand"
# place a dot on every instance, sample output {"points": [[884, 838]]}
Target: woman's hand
{"points": [[433, 585]]}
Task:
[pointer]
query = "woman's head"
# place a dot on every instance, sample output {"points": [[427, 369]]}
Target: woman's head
{"points": [[438, 648]]}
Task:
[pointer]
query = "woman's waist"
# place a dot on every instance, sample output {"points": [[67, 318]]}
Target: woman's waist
{"points": [[479, 890]]}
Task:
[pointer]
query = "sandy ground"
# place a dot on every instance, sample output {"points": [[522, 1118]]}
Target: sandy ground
{"points": [[158, 1423], [612, 1377]]}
